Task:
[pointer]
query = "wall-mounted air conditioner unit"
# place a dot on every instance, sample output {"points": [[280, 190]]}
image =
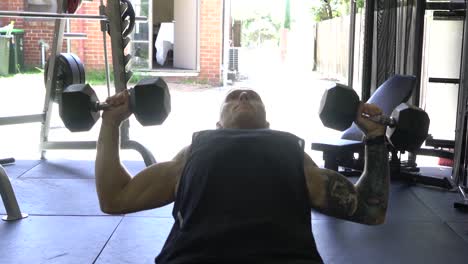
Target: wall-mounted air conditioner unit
{"points": [[233, 69]]}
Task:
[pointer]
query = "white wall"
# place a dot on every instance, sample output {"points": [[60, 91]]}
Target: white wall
{"points": [[442, 56]]}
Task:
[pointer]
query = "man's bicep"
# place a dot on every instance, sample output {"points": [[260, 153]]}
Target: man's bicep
{"points": [[154, 186], [331, 193], [151, 188]]}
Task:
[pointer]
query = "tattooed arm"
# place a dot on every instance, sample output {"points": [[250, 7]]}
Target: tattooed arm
{"points": [[364, 202]]}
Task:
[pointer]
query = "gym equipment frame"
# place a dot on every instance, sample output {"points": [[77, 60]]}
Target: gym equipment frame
{"points": [[121, 77], [111, 23]]}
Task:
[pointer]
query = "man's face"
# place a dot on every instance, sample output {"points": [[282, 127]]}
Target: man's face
{"points": [[244, 109]]}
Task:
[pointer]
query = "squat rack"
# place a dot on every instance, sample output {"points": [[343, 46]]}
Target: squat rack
{"points": [[460, 169], [111, 21]]}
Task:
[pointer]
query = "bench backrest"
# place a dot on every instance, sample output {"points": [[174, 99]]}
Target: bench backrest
{"points": [[389, 95]]}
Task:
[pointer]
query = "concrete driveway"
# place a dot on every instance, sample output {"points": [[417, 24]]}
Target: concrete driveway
{"points": [[291, 98]]}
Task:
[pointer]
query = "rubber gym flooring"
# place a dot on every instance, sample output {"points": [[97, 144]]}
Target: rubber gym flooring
{"points": [[65, 224]]}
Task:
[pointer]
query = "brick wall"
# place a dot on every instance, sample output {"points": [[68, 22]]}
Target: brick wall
{"points": [[4, 5], [36, 31], [211, 24], [12, 5], [32, 29], [91, 50]]}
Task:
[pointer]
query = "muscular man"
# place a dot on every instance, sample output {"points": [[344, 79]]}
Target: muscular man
{"points": [[243, 193]]}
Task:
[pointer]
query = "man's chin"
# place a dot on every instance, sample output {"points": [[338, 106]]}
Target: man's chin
{"points": [[243, 108], [248, 123]]}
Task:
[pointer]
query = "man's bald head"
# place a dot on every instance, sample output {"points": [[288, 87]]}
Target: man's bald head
{"points": [[242, 108]]}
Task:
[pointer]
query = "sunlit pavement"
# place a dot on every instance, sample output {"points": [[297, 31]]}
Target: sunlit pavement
{"points": [[291, 99]]}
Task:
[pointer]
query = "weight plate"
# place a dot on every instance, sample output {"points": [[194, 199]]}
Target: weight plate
{"points": [[130, 15], [82, 77], [68, 72], [71, 64], [126, 15]]}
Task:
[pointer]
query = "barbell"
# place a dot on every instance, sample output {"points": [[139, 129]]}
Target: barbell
{"points": [[150, 102], [407, 127], [50, 15]]}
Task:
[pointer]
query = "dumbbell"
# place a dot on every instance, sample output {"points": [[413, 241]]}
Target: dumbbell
{"points": [[80, 108], [407, 126]]}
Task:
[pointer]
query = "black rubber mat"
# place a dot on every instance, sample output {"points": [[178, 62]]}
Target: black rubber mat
{"points": [[65, 197], [403, 243], [56, 196], [440, 201], [15, 170], [136, 240], [55, 239], [461, 228], [74, 169]]}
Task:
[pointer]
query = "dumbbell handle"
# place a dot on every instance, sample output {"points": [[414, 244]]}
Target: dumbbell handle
{"points": [[98, 106], [383, 119]]}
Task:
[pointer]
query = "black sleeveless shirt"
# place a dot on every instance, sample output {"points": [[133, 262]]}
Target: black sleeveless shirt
{"points": [[242, 198]]}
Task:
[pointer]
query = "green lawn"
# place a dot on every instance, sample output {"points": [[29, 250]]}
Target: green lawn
{"points": [[95, 77]]}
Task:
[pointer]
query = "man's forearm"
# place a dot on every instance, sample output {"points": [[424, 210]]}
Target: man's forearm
{"points": [[111, 177], [373, 186]]}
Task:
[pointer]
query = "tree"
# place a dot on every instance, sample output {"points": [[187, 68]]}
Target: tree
{"points": [[258, 29], [328, 9], [287, 16]]}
